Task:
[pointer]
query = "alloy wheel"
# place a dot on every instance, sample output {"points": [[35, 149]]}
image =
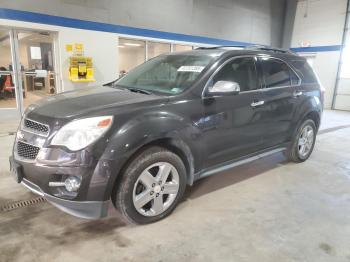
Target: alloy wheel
{"points": [[306, 140], [156, 189]]}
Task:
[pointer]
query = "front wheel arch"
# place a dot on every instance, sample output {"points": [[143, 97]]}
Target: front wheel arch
{"points": [[121, 196], [175, 145]]}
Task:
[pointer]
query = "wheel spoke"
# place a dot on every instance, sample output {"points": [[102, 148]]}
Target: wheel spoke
{"points": [[147, 179], [307, 147], [158, 205], [163, 173], [142, 199], [158, 191], [305, 141], [170, 188], [310, 135]]}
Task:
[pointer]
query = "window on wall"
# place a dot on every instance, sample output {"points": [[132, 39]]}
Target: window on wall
{"points": [[131, 54], [156, 49], [181, 48]]}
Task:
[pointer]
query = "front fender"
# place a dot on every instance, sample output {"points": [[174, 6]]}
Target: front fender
{"points": [[134, 134]]}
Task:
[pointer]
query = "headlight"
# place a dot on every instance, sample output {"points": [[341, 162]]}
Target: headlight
{"points": [[80, 133]]}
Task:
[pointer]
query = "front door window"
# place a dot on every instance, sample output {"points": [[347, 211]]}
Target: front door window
{"points": [[242, 71]]}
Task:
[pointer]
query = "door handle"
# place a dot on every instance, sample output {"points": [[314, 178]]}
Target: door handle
{"points": [[258, 103], [297, 93]]}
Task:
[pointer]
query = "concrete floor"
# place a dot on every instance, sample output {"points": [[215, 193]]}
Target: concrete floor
{"points": [[269, 210]]}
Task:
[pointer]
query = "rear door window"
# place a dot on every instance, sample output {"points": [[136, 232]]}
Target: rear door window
{"points": [[294, 78], [275, 73], [305, 71]]}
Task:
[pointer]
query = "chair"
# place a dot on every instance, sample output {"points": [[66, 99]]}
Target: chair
{"points": [[2, 83]]}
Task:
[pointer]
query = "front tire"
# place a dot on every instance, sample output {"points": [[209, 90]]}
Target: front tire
{"points": [[151, 186], [303, 143]]}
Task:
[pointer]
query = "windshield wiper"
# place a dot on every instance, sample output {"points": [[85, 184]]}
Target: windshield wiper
{"points": [[139, 90]]}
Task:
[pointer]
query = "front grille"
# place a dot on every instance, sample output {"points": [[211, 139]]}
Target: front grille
{"points": [[36, 127], [26, 150]]}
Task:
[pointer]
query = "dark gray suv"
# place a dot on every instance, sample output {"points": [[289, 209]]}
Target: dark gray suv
{"points": [[175, 119]]}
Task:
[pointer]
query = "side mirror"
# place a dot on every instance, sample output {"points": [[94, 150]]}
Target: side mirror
{"points": [[224, 88]]}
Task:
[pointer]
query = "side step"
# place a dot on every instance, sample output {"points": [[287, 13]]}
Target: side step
{"points": [[230, 165]]}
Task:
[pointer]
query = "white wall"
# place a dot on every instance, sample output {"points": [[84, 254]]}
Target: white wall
{"points": [[101, 46], [254, 21], [321, 23], [342, 99]]}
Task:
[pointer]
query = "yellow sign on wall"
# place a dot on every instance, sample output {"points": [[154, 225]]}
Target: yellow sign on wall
{"points": [[80, 66], [78, 49], [69, 48]]}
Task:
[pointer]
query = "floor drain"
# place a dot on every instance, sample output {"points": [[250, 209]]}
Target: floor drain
{"points": [[19, 204]]}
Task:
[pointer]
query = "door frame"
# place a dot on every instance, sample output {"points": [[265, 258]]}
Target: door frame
{"points": [[15, 111], [16, 68]]}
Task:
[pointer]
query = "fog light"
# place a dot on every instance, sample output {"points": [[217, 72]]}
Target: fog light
{"points": [[72, 183]]}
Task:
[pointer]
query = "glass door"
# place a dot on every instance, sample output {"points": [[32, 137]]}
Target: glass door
{"points": [[27, 69], [36, 65], [9, 98]]}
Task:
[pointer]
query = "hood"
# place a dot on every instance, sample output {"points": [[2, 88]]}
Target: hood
{"points": [[83, 101]]}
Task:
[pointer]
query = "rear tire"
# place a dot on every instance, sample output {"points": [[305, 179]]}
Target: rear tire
{"points": [[303, 142], [151, 186]]}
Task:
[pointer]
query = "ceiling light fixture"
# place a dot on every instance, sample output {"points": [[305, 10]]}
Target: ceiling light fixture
{"points": [[132, 44]]}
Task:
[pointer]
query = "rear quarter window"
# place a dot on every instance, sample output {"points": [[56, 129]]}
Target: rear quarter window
{"points": [[305, 71]]}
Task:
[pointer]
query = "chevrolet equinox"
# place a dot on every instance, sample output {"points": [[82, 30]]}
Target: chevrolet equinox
{"points": [[140, 140]]}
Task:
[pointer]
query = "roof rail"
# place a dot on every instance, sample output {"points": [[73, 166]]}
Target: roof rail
{"points": [[221, 47], [268, 48], [252, 47]]}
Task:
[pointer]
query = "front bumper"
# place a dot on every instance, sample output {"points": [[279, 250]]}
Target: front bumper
{"points": [[39, 164], [84, 209]]}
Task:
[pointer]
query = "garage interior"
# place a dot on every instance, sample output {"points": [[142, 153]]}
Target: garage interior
{"points": [[267, 210]]}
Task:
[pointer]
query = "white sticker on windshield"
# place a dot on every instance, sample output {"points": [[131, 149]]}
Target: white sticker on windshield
{"points": [[196, 69]]}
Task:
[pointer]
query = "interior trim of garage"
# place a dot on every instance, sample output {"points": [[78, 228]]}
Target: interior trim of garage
{"points": [[314, 49], [12, 14], [33, 17]]}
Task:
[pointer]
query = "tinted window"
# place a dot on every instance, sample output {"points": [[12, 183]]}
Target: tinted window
{"points": [[168, 74], [276, 73], [294, 78], [305, 71], [240, 70]]}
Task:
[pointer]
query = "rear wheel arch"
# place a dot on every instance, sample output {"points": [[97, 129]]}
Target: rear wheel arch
{"points": [[308, 109], [293, 151], [314, 116]]}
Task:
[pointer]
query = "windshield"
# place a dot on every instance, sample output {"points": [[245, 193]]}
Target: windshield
{"points": [[168, 74]]}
